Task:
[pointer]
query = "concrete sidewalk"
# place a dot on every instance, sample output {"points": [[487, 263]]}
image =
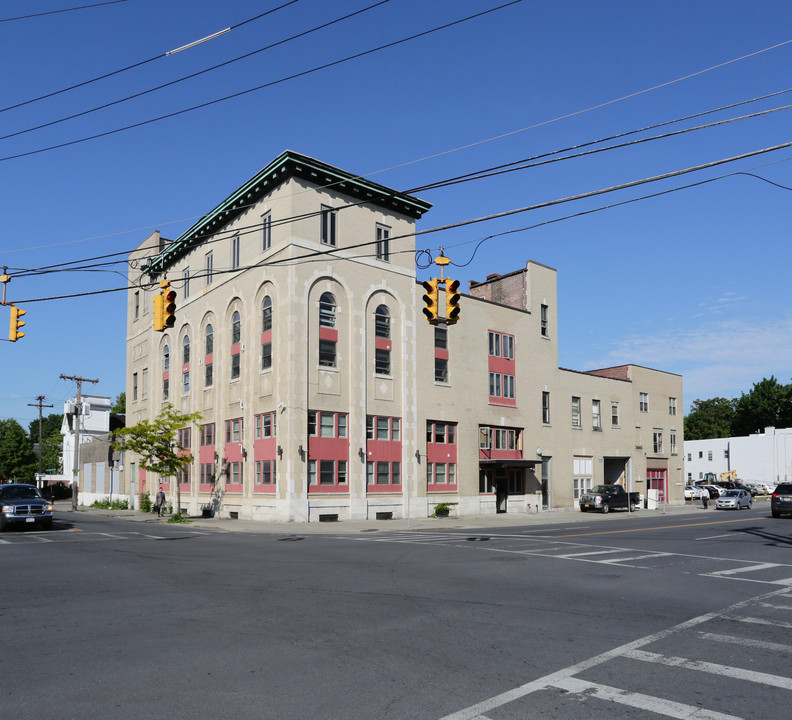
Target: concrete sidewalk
{"points": [[478, 522]]}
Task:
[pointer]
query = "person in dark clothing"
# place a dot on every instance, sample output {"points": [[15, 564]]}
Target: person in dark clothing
{"points": [[159, 503]]}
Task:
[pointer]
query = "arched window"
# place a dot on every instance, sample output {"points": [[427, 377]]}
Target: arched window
{"points": [[236, 335], [382, 322], [236, 328], [328, 335], [266, 334], [208, 359], [266, 315], [186, 364], [327, 310], [165, 372]]}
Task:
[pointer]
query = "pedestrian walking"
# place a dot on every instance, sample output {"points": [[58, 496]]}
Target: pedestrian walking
{"points": [[160, 502], [704, 497]]}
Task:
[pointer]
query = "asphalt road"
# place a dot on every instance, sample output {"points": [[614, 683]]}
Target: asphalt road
{"points": [[685, 616]]}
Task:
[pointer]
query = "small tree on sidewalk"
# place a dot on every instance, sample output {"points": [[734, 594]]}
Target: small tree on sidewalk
{"points": [[157, 445]]}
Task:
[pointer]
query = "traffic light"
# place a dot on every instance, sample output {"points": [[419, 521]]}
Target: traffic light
{"points": [[159, 311], [16, 323], [452, 301], [169, 305], [430, 299]]}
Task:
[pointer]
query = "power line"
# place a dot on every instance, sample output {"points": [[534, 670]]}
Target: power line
{"points": [[472, 221], [133, 65], [195, 74], [241, 93], [55, 12]]}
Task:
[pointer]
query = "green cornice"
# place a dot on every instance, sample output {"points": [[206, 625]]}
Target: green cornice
{"points": [[287, 165]]}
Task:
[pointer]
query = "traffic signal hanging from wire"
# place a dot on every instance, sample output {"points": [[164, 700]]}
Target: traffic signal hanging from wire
{"points": [[169, 304], [16, 324], [430, 299], [452, 301]]}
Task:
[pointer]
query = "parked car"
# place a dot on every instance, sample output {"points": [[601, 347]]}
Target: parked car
{"points": [[781, 500], [608, 497], [692, 492], [748, 488], [24, 505], [734, 500], [714, 491], [756, 488]]}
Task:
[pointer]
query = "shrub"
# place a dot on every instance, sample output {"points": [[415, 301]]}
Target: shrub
{"points": [[177, 518], [107, 504], [145, 503]]}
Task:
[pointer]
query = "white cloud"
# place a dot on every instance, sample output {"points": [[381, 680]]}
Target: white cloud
{"points": [[718, 359]]}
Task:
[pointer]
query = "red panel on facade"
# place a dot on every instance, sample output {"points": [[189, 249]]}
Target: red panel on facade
{"points": [[326, 333], [382, 343]]}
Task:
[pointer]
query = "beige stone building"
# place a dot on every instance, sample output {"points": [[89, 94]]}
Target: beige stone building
{"points": [[325, 393]]}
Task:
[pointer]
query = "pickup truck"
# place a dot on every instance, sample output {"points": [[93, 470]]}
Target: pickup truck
{"points": [[608, 497]]}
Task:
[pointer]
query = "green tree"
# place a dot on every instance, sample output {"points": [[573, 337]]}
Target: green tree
{"points": [[709, 419], [17, 460], [120, 404], [156, 444], [769, 403], [49, 424]]}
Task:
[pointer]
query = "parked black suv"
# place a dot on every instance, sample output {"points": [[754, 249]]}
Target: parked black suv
{"points": [[781, 500]]}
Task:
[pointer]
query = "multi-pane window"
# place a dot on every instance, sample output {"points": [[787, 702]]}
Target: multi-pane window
{"points": [[441, 370], [582, 475], [545, 407], [186, 364], [327, 472], [596, 419], [266, 333], [235, 473], [209, 340], [266, 232], [234, 430], [265, 472], [382, 322], [327, 424], [672, 442], [383, 243], [441, 338], [441, 473], [543, 321], [657, 440], [186, 283], [327, 338], [265, 426], [491, 438], [144, 383], [166, 372], [207, 473], [501, 385], [643, 402], [383, 472], [382, 361], [136, 305], [329, 222], [672, 406], [207, 435], [327, 310], [184, 438], [236, 334], [208, 267], [440, 432], [186, 350], [614, 414], [576, 420], [235, 252], [501, 345]]}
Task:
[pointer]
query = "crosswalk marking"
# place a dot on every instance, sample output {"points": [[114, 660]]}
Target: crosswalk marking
{"points": [[660, 706], [749, 568], [764, 644], [714, 668]]}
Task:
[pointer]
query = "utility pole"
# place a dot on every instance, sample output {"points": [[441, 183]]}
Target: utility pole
{"points": [[40, 404], [78, 411]]}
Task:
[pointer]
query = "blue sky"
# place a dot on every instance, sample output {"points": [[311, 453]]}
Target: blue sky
{"points": [[694, 282]]}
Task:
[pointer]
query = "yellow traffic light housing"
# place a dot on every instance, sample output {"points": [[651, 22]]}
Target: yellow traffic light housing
{"points": [[16, 324], [159, 305], [169, 304], [430, 300], [452, 301]]}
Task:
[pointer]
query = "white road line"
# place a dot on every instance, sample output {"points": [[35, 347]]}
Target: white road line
{"points": [[759, 621], [474, 711], [715, 537], [593, 552], [764, 644], [778, 681], [659, 706], [750, 568], [635, 557]]}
